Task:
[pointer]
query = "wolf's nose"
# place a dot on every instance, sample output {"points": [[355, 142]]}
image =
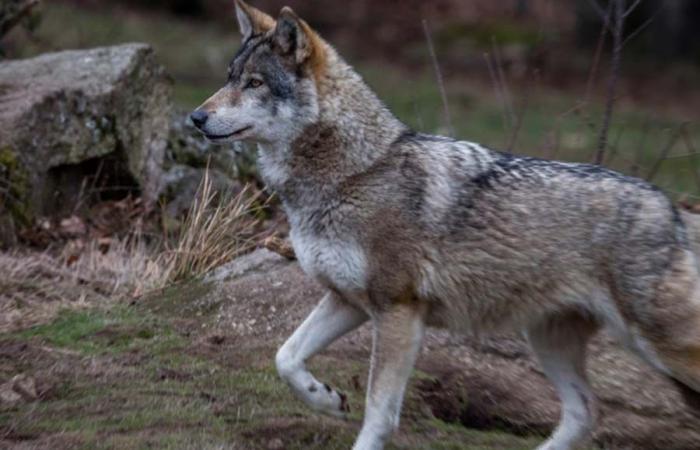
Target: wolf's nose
{"points": [[199, 117]]}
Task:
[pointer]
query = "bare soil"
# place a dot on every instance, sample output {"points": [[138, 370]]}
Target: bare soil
{"points": [[191, 366]]}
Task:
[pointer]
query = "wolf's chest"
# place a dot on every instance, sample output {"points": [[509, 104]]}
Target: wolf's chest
{"points": [[334, 261]]}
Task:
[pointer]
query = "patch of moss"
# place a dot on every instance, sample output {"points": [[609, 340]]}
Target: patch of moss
{"points": [[178, 299], [105, 331], [14, 187], [205, 401]]}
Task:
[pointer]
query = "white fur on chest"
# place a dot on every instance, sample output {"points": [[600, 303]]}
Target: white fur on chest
{"points": [[334, 262], [272, 166]]}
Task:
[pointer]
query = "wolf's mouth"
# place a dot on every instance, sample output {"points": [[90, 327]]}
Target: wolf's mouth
{"points": [[224, 136]]}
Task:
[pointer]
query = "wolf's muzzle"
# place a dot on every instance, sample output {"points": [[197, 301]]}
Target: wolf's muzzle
{"points": [[199, 118]]}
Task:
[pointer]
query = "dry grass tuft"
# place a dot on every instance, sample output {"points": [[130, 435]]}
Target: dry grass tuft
{"points": [[118, 267], [34, 286], [217, 229]]}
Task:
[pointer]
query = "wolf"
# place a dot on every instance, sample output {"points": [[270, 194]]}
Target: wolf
{"points": [[409, 230]]}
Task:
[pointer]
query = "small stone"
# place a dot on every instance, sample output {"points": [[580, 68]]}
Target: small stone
{"points": [[25, 386], [275, 444]]}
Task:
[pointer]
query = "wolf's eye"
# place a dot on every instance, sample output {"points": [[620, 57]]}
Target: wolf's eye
{"points": [[254, 83]]}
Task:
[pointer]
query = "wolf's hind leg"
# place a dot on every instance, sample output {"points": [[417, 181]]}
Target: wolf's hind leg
{"points": [[681, 362], [331, 319], [560, 345], [683, 366], [668, 326]]}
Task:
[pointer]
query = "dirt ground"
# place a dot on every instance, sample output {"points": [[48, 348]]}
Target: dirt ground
{"points": [[191, 366]]}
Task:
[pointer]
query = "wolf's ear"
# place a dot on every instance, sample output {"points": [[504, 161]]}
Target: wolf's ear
{"points": [[293, 37], [251, 20]]}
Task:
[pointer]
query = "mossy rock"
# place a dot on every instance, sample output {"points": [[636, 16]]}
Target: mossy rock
{"points": [[67, 111]]}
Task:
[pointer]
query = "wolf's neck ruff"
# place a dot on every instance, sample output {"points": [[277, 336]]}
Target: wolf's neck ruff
{"points": [[353, 129]]}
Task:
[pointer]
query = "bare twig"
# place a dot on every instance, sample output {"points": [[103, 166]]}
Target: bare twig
{"points": [[684, 155], [632, 7], [438, 76], [497, 88], [679, 193], [553, 141], [13, 12], [419, 116], [614, 148], [519, 121], [598, 9], [596, 57], [502, 80], [694, 155], [619, 22], [601, 12], [643, 26], [637, 163], [663, 155]]}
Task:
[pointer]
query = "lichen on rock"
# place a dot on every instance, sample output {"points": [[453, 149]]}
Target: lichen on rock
{"points": [[62, 110]]}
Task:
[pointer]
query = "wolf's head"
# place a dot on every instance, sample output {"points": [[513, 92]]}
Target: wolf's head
{"points": [[271, 92]]}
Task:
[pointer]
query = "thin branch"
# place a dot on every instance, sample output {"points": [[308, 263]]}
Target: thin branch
{"points": [[632, 8], [612, 81], [438, 75], [694, 155], [419, 116], [689, 142], [637, 163], [598, 9], [497, 88], [14, 12], [614, 148], [684, 155], [598, 52], [519, 121], [644, 25], [669, 190], [504, 86], [663, 155]]}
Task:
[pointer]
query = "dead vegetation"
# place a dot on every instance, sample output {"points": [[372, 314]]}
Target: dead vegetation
{"points": [[87, 263], [215, 231]]}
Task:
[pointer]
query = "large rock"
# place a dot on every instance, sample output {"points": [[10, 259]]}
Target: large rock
{"points": [[489, 383], [67, 115]]}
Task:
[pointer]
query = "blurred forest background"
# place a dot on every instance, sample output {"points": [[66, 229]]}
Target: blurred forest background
{"points": [[520, 74], [140, 304]]}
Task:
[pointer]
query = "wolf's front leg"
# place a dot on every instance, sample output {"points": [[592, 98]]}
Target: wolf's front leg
{"points": [[331, 319], [398, 334]]}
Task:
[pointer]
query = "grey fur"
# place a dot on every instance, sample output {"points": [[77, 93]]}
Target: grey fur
{"points": [[412, 229]]}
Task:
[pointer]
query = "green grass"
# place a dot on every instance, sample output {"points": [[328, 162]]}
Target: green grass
{"points": [[138, 379], [97, 331]]}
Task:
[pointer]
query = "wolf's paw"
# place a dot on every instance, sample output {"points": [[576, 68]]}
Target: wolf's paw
{"points": [[324, 399], [337, 403]]}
